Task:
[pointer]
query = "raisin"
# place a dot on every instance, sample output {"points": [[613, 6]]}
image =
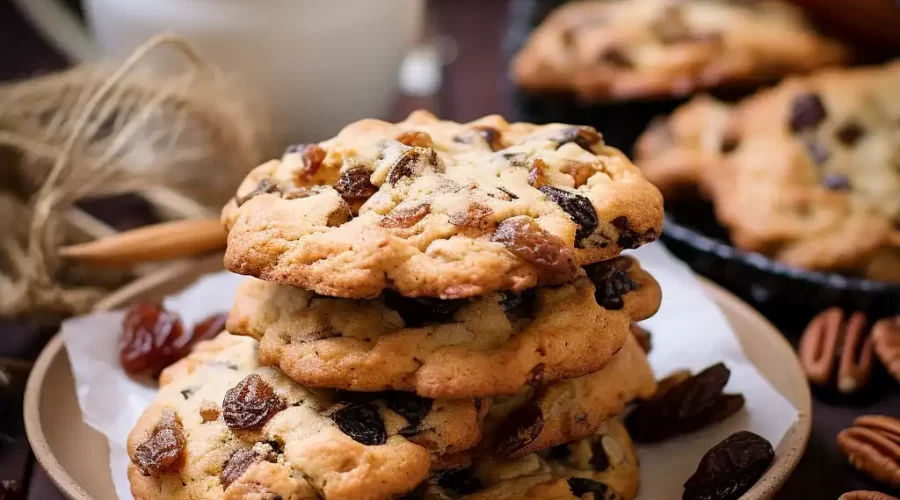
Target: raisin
{"points": [[615, 57], [237, 464], [296, 193], [413, 162], [730, 142], [536, 175], [643, 336], [730, 468], [585, 137], [416, 139], [850, 133], [521, 427], [354, 185], [264, 186], [611, 282], [817, 151], [580, 486], [361, 422], [405, 216], [527, 240], [491, 136], [475, 216], [579, 208], [163, 451], [599, 460], [152, 339], [837, 182], [807, 111], [419, 311], [536, 375], [458, 482], [628, 237], [251, 403], [520, 304], [410, 406], [211, 326], [312, 156], [686, 406]]}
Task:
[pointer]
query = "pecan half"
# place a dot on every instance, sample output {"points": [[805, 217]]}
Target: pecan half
{"points": [[886, 337], [866, 495], [872, 445], [828, 339]]}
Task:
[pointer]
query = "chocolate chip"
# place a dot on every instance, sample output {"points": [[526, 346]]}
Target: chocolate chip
{"points": [[264, 186], [615, 57], [628, 237], [580, 486], [817, 151], [361, 422], [837, 182], [850, 133], [807, 111], [519, 429]]}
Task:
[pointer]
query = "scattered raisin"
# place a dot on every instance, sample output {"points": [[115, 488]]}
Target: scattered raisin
{"points": [[405, 216], [611, 282], [475, 216], [361, 422], [163, 451], [615, 57], [296, 193], [152, 339], [237, 464], [730, 468], [628, 237], [264, 186], [412, 407], [599, 460], [837, 182], [643, 336], [251, 403], [579, 208], [354, 185], [491, 136], [686, 406], [458, 481], [211, 326], [584, 136], [850, 133], [527, 240], [416, 139], [807, 111], [521, 427], [418, 311], [536, 175], [817, 151], [312, 155], [580, 486], [413, 162]]}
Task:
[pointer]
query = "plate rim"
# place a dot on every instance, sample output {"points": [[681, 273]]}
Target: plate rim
{"points": [[797, 436]]}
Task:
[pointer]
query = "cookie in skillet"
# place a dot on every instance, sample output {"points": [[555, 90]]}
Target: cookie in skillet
{"points": [[631, 49], [807, 172], [222, 427], [434, 208], [491, 345], [601, 466]]}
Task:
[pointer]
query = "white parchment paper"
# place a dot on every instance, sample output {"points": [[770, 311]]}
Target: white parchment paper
{"points": [[688, 332]]}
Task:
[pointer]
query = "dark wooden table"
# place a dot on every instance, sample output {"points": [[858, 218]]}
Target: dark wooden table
{"points": [[471, 89]]}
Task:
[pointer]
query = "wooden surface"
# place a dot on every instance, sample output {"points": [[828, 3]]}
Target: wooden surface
{"points": [[471, 88]]}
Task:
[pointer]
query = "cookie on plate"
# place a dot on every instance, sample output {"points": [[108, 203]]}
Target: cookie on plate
{"points": [[433, 208], [630, 49], [447, 348], [807, 172], [222, 427], [602, 466]]}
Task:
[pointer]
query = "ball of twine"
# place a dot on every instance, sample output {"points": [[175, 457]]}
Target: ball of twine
{"points": [[100, 130]]}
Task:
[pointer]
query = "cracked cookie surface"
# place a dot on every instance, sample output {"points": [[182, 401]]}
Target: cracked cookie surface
{"points": [[807, 172], [631, 49], [435, 208], [448, 348]]}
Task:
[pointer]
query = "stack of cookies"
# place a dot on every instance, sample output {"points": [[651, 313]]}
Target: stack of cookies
{"points": [[435, 310]]}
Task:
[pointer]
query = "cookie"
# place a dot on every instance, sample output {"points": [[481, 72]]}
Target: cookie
{"points": [[637, 49], [544, 416], [602, 466], [223, 427], [807, 172], [447, 348], [433, 208]]}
